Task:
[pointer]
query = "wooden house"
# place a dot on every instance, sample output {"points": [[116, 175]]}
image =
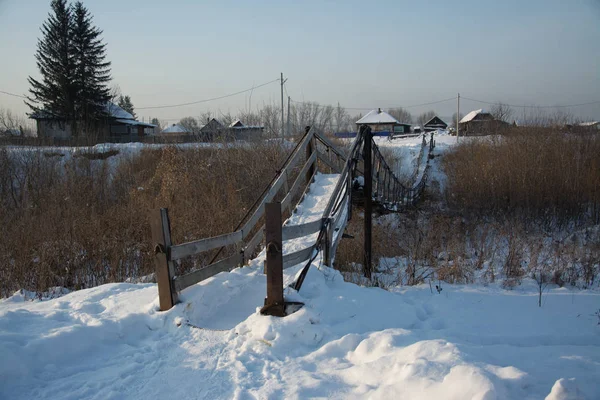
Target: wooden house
{"points": [[116, 126], [435, 124], [381, 122], [479, 122]]}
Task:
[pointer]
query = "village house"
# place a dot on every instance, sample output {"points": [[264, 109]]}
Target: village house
{"points": [[435, 124], [382, 123], [117, 126], [479, 122], [245, 132]]}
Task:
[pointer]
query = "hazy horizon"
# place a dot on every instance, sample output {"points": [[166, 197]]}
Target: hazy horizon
{"points": [[383, 54]]}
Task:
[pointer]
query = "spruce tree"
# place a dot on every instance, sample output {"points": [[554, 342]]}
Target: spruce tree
{"points": [[126, 104], [74, 74], [55, 92], [92, 72]]}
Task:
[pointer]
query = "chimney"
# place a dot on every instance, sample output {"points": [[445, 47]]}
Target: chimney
{"points": [[379, 111]]}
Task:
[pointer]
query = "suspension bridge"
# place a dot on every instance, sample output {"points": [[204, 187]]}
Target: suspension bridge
{"points": [[300, 215]]}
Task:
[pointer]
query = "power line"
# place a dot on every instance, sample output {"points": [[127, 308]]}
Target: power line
{"points": [[12, 94], [370, 108], [207, 100], [531, 106]]}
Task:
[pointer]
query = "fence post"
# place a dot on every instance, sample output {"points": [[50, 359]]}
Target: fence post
{"points": [[161, 240], [368, 192], [274, 303]]}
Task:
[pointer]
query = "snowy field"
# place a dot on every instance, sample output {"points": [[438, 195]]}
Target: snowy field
{"points": [[467, 342], [348, 341]]}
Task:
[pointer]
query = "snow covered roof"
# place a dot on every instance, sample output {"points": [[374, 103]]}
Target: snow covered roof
{"points": [[175, 128], [110, 108], [116, 112], [590, 123], [236, 124], [12, 132], [377, 117], [470, 116], [136, 123]]}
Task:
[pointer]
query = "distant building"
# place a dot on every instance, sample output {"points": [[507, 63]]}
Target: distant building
{"points": [[118, 126], [479, 122], [380, 121], [435, 124], [585, 127], [175, 129], [245, 132]]}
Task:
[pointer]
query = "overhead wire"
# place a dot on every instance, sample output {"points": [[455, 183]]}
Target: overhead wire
{"points": [[207, 100], [531, 106]]}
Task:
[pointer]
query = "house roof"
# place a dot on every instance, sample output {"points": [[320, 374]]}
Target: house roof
{"points": [[175, 128], [378, 117], [236, 124], [590, 123], [135, 123], [110, 108], [430, 122], [115, 111], [470, 116]]}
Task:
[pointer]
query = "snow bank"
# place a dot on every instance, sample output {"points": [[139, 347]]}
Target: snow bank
{"points": [[346, 342]]}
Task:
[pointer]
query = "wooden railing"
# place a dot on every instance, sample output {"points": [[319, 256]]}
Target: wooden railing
{"points": [[250, 232]]}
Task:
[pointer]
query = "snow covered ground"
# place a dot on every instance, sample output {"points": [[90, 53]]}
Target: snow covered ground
{"points": [[348, 341], [467, 342]]}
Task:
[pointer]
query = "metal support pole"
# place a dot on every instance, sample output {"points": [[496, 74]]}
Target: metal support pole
{"points": [[368, 192], [274, 303]]}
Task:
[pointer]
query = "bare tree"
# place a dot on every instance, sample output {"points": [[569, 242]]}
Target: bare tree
{"points": [[425, 117], [456, 118], [502, 112], [342, 120], [190, 124], [401, 115], [13, 124]]}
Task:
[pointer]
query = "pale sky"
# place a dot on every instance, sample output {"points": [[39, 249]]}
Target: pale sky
{"points": [[358, 53]]}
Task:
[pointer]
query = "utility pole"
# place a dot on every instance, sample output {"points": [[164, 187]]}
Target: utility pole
{"points": [[457, 114], [288, 118], [282, 123]]}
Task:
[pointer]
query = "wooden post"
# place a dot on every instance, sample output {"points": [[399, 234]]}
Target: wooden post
{"points": [[328, 256], [161, 240], [368, 192], [309, 150], [274, 303], [349, 183]]}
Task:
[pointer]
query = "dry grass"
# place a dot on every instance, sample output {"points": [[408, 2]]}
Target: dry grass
{"points": [[548, 176], [76, 223]]}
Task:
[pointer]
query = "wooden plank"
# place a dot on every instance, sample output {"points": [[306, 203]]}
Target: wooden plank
{"points": [[255, 241], [287, 200], [224, 265], [260, 209], [296, 231], [274, 302], [328, 162], [198, 246], [161, 241], [295, 258]]}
